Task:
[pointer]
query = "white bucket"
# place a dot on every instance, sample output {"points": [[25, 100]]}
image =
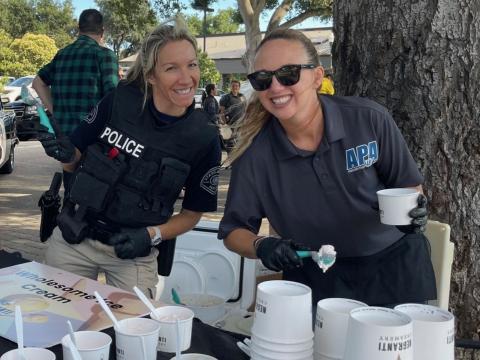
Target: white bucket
{"points": [[395, 204], [376, 333], [331, 324], [167, 317], [277, 346], [279, 303], [433, 331]]}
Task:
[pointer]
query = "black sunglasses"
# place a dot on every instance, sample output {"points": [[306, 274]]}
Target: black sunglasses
{"points": [[287, 75]]}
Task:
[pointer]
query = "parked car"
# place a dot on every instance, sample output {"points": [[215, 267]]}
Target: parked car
{"points": [[8, 141], [11, 92], [26, 118]]}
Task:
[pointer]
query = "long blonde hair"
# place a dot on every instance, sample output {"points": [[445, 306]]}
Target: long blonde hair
{"points": [[256, 116], [144, 66]]}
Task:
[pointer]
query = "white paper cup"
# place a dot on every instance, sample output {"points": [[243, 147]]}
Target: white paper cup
{"points": [[137, 338], [255, 356], [331, 324], [92, 345], [395, 204], [195, 356], [282, 302], [433, 331], [167, 317], [376, 333], [31, 353]]}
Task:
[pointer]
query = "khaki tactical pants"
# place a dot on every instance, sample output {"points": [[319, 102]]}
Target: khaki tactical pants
{"points": [[91, 257]]}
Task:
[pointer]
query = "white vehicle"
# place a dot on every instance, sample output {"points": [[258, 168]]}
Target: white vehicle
{"points": [[11, 92]]}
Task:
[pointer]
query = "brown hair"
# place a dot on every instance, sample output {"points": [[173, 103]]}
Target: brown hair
{"points": [[256, 116]]}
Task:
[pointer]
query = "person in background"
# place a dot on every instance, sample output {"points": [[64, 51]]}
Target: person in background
{"points": [[232, 108], [312, 165], [128, 162], [79, 75], [327, 85], [210, 104]]}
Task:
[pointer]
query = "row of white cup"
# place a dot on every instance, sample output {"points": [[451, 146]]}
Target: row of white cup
{"points": [[350, 330], [282, 310], [136, 338]]}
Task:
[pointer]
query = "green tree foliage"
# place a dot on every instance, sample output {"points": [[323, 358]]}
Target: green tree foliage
{"points": [[26, 55], [285, 13], [51, 17], [223, 22], [208, 70], [126, 23]]}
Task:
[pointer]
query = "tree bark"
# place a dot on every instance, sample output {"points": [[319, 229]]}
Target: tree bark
{"points": [[420, 59]]}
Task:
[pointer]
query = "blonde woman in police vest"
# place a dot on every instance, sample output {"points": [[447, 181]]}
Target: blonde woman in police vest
{"points": [[127, 163], [312, 165]]}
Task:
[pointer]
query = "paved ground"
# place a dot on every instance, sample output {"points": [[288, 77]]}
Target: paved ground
{"points": [[20, 191]]}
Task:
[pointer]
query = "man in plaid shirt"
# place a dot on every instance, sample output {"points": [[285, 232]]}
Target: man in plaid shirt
{"points": [[79, 75]]}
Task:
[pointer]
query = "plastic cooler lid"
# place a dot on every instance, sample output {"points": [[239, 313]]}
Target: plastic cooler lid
{"points": [[186, 277], [219, 274]]}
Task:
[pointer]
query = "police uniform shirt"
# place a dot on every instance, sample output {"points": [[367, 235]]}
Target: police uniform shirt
{"points": [[234, 106], [325, 196], [201, 184]]}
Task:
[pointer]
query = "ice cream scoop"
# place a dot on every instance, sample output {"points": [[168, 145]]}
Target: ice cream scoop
{"points": [[325, 257]]}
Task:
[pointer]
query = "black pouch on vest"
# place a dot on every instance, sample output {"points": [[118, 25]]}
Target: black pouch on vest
{"points": [[165, 190], [94, 178], [141, 174]]}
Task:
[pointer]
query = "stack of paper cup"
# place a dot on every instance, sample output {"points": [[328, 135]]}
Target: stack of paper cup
{"points": [[376, 333], [433, 331], [331, 324], [282, 322]]}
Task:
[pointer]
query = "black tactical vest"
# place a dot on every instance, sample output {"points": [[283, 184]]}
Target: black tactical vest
{"points": [[133, 174]]}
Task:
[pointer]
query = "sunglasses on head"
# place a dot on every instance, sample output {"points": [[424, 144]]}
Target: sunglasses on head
{"points": [[287, 75]]}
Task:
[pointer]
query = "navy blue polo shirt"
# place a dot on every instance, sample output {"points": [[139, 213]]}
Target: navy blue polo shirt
{"points": [[200, 195], [324, 196]]}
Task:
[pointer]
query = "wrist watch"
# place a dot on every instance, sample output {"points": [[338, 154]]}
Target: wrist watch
{"points": [[157, 238]]}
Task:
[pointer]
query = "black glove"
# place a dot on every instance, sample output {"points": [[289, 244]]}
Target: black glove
{"points": [[419, 217], [132, 243], [278, 254], [60, 148]]}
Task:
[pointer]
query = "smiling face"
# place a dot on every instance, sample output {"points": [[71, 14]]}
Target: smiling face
{"points": [[175, 77], [294, 102]]}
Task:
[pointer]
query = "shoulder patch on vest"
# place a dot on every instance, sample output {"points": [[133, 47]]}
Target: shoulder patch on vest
{"points": [[209, 182], [90, 118]]}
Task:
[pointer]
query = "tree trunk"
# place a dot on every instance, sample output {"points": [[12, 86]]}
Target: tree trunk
{"points": [[253, 35], [420, 58]]}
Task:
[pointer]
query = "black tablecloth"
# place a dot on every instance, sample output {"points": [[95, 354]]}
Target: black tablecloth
{"points": [[206, 339]]}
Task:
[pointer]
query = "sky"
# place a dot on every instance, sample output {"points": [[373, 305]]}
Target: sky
{"points": [[81, 5]]}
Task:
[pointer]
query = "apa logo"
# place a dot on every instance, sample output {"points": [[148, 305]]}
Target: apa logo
{"points": [[362, 156]]}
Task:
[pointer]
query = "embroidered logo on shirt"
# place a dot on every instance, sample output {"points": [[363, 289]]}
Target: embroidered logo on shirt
{"points": [[209, 182], [92, 115], [361, 156]]}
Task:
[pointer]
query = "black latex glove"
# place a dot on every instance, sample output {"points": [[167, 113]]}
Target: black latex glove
{"points": [[60, 148], [278, 254], [132, 243], [419, 217]]}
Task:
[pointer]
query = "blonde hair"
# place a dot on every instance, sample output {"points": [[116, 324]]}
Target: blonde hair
{"points": [[256, 116], [144, 66]]}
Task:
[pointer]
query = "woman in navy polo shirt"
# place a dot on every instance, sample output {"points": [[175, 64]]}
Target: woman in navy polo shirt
{"points": [[312, 166]]}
